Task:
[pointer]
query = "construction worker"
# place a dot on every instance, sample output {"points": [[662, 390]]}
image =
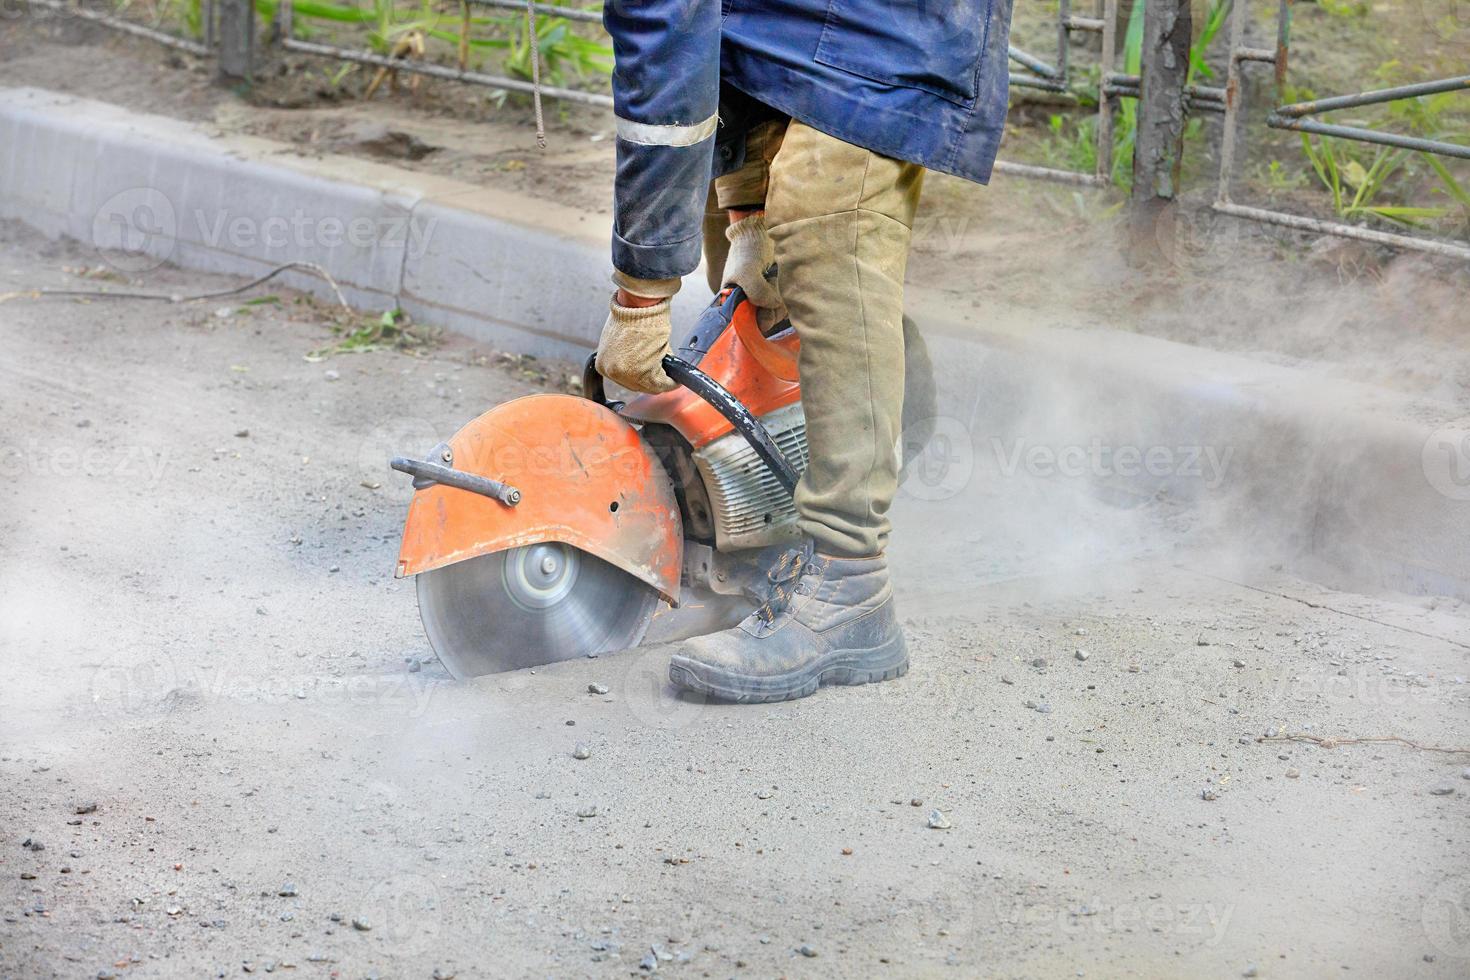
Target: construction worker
{"points": [[816, 120]]}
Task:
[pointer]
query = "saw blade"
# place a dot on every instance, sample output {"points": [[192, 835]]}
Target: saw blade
{"points": [[532, 605]]}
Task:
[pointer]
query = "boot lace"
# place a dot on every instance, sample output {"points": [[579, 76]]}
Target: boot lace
{"points": [[784, 576]]}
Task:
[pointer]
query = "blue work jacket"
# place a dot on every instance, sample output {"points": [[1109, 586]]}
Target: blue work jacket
{"points": [[920, 80]]}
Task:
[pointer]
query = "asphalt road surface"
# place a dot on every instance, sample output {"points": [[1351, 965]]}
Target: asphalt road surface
{"points": [[225, 746]]}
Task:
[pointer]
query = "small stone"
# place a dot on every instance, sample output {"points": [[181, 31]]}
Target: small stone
{"points": [[587, 812], [1445, 789], [763, 794], [916, 802], [1465, 773], [331, 374], [807, 951], [27, 876], [334, 569], [288, 890], [32, 845], [414, 666], [1202, 642], [1251, 971], [938, 821], [88, 807], [1081, 654], [596, 688], [1237, 663], [1209, 795], [582, 751], [1039, 663], [649, 961], [362, 925], [1293, 774], [242, 433]]}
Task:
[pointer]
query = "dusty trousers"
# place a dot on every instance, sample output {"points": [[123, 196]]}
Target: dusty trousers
{"points": [[841, 218]]}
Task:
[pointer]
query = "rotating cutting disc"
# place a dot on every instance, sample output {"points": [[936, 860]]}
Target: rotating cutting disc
{"points": [[532, 605]]}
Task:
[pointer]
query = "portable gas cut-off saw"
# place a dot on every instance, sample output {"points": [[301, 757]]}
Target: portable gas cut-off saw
{"points": [[553, 526]]}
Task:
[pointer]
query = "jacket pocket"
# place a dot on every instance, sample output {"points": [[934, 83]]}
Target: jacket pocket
{"points": [[933, 45]]}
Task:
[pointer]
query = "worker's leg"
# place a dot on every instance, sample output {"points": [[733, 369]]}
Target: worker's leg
{"points": [[840, 217]]}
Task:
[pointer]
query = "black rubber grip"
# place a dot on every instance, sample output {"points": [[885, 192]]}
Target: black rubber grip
{"points": [[736, 414]]}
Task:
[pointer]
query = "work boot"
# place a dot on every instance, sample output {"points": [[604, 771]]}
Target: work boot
{"points": [[825, 621]]}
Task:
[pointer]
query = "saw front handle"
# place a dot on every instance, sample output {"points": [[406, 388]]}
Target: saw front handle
{"points": [[426, 474]]}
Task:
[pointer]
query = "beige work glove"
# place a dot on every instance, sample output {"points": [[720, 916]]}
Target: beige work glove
{"points": [[751, 256], [634, 342]]}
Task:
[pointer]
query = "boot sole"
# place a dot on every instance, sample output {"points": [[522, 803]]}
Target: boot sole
{"points": [[849, 668]]}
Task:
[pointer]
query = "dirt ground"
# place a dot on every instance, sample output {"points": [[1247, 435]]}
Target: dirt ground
{"points": [[1017, 248], [225, 746]]}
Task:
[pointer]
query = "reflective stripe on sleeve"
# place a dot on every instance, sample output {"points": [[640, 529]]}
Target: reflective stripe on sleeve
{"points": [[648, 134]]}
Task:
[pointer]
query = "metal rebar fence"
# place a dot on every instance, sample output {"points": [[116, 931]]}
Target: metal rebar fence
{"points": [[78, 9], [1296, 117], [1034, 73]]}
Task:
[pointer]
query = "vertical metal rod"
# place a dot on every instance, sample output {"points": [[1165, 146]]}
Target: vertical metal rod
{"points": [[1239, 14], [284, 18], [237, 38], [1104, 101], [1064, 13]]}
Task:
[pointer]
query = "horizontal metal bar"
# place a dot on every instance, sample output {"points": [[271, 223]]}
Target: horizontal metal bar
{"points": [[1031, 81], [1311, 108], [1447, 249], [1084, 24], [1212, 92], [1275, 121], [569, 13], [442, 71], [125, 26], [427, 474], [1267, 55], [1030, 61], [1206, 103], [1050, 173]]}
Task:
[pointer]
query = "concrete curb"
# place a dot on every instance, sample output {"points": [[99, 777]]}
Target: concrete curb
{"points": [[1367, 482]]}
